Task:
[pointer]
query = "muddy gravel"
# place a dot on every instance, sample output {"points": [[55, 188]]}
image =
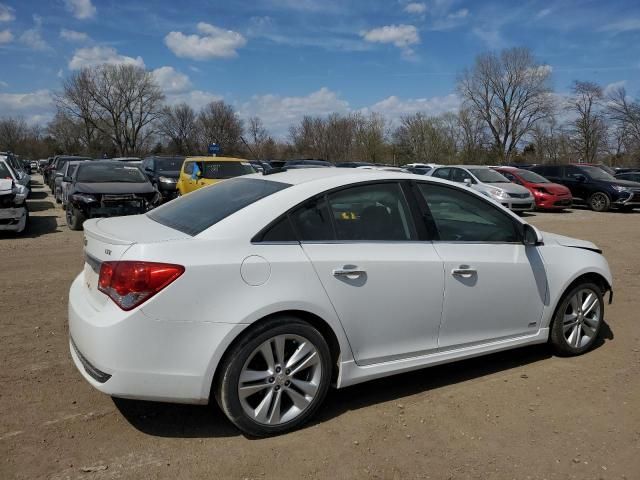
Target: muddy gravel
{"points": [[515, 415]]}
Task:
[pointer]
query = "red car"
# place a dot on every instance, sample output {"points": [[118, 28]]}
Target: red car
{"points": [[547, 195]]}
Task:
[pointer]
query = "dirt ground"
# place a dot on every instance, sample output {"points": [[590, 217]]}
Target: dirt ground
{"points": [[523, 414]]}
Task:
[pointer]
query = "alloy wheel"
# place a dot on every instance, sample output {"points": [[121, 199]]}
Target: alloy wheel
{"points": [[598, 202], [581, 318], [280, 379]]}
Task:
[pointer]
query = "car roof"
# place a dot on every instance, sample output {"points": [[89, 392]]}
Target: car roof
{"points": [[215, 159]]}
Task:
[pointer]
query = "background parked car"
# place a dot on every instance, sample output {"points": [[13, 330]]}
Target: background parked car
{"points": [[547, 195], [163, 173], [593, 186], [198, 172], [20, 175], [354, 164], [107, 188], [69, 170], [301, 163], [14, 215], [58, 174], [633, 176], [490, 183]]}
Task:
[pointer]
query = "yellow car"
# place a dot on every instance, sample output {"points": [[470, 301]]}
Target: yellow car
{"points": [[198, 172]]}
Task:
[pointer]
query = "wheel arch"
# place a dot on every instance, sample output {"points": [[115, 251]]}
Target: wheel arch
{"points": [[593, 277], [314, 320]]}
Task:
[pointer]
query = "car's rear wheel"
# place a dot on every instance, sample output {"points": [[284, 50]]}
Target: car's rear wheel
{"points": [[275, 378], [75, 218], [578, 320], [599, 202]]}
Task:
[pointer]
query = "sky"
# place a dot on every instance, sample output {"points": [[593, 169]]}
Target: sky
{"points": [[282, 59]]}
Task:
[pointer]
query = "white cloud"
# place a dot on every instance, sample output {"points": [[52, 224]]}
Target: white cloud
{"points": [[81, 9], [91, 56], [3, 84], [459, 14], [394, 107], [544, 12], [611, 87], [170, 80], [279, 113], [73, 36], [32, 39], [7, 13], [196, 99], [33, 106], [214, 42], [415, 8], [491, 36], [399, 35], [6, 36], [626, 25]]}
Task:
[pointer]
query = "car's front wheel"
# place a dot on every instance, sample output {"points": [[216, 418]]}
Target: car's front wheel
{"points": [[599, 202], [75, 218], [275, 378], [578, 320]]}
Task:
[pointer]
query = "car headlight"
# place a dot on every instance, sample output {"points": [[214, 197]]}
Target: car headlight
{"points": [[167, 180], [621, 189], [500, 194], [84, 197]]}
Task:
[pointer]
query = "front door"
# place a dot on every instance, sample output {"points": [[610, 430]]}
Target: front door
{"points": [[495, 287], [385, 286]]}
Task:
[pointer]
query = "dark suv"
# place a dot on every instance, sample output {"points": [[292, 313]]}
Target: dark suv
{"points": [[593, 186], [163, 173]]}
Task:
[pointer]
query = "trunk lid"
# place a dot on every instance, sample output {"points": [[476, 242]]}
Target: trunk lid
{"points": [[107, 239]]}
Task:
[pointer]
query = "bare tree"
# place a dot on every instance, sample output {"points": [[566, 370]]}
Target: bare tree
{"points": [[424, 139], [471, 138], [625, 112], [67, 132], [589, 130], [13, 133], [262, 146], [370, 137], [120, 101], [178, 123], [510, 92], [219, 123]]}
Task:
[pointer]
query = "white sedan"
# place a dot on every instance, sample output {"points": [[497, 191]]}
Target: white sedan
{"points": [[264, 290]]}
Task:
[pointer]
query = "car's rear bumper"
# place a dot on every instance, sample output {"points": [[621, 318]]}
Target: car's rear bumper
{"points": [[13, 219], [130, 355]]}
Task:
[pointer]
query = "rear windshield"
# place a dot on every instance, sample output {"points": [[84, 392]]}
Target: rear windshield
{"points": [[205, 207], [109, 173], [169, 164], [222, 170], [4, 172]]}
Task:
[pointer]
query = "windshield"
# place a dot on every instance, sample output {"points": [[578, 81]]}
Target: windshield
{"points": [[532, 177], [486, 175], [203, 208], [169, 164], [222, 170], [4, 171], [109, 173], [597, 173]]}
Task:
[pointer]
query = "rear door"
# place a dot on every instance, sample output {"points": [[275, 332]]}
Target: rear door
{"points": [[577, 181], [385, 286], [495, 287]]}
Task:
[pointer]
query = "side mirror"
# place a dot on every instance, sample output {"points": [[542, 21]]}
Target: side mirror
{"points": [[531, 236], [66, 179], [467, 182]]}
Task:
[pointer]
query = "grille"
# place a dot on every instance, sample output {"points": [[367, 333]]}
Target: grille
{"points": [[519, 195]]}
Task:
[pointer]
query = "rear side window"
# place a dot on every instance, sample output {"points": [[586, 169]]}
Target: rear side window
{"points": [[222, 170], [442, 173], [312, 221], [194, 213]]}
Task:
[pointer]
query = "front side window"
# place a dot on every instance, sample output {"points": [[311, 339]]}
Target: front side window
{"points": [[459, 175], [188, 168], [462, 217], [487, 175], [442, 173]]}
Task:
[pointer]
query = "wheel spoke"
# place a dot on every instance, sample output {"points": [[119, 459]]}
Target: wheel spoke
{"points": [[274, 417], [311, 359], [577, 335], [308, 388], [574, 304], [267, 353], [252, 376], [300, 401], [301, 352], [569, 325], [248, 390], [261, 413], [279, 349], [589, 303]]}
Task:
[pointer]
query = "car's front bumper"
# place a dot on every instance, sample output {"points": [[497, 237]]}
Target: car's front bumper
{"points": [[131, 355], [553, 202], [13, 219], [518, 205]]}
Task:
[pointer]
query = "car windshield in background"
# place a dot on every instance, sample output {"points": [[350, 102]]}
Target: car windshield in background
{"points": [[597, 173], [169, 164], [4, 172], [532, 177], [222, 170], [71, 170], [63, 162], [203, 208], [486, 175], [110, 173]]}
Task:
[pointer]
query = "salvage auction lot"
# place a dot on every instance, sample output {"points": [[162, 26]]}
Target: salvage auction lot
{"points": [[519, 414]]}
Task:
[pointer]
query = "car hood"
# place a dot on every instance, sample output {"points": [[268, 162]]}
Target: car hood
{"points": [[509, 187], [115, 188], [554, 188], [625, 183], [6, 186], [553, 238]]}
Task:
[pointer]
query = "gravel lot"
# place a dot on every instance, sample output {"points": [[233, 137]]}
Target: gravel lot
{"points": [[520, 414]]}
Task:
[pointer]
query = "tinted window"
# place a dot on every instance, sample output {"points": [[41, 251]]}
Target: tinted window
{"points": [[4, 171], [549, 171], [371, 212], [462, 217], [205, 207], [459, 175], [596, 173], [188, 167], [532, 177], [442, 173], [222, 170], [282, 231], [312, 221], [171, 164], [488, 175], [109, 173]]}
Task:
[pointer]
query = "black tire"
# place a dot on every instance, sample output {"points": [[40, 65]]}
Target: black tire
{"points": [[228, 377], [75, 218], [599, 202], [557, 336]]}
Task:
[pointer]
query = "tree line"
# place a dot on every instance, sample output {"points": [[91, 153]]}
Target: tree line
{"points": [[508, 113]]}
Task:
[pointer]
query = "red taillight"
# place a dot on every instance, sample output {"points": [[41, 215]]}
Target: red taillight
{"points": [[130, 284]]}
